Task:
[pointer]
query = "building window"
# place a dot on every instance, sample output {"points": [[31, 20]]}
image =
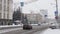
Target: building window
{"points": [[0, 0], [4, 7], [4, 1], [0, 6], [0, 15], [7, 16], [8, 2]]}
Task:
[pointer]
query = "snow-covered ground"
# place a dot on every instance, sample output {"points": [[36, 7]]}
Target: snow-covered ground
{"points": [[10, 26], [8, 30], [51, 31], [34, 24]]}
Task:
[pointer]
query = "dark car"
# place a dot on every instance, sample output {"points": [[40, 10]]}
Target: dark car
{"points": [[26, 26]]}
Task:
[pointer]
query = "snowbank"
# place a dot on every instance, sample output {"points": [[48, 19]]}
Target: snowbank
{"points": [[52, 31]]}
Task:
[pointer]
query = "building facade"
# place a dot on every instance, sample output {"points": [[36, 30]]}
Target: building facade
{"points": [[34, 18], [6, 9]]}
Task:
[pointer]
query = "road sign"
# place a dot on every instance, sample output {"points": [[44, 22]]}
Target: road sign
{"points": [[45, 15], [56, 13]]}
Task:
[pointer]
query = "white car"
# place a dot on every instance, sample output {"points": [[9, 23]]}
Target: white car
{"points": [[54, 25]]}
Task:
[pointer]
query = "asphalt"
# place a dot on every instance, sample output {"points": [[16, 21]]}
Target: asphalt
{"points": [[21, 31]]}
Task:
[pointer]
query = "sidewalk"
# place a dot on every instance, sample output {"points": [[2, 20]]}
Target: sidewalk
{"points": [[10, 26], [9, 30]]}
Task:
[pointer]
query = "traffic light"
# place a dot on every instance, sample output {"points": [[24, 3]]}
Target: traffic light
{"points": [[56, 17]]}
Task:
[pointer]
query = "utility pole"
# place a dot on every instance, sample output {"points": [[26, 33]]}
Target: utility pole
{"points": [[56, 6], [56, 13]]}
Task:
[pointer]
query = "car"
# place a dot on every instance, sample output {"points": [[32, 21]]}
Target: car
{"points": [[27, 27], [53, 26], [39, 24]]}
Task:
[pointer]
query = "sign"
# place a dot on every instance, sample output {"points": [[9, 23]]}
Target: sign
{"points": [[45, 15], [56, 13], [22, 4]]}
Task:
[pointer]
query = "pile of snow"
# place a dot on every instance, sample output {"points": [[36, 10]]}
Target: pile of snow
{"points": [[10, 26], [34, 24], [52, 31]]}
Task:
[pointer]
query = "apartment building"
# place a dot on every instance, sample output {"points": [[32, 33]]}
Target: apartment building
{"points": [[34, 18], [6, 10]]}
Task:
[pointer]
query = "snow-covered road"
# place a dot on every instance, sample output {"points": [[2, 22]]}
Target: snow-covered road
{"points": [[49, 31]]}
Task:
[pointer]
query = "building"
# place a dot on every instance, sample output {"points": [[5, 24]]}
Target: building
{"points": [[34, 18], [44, 12], [6, 10]]}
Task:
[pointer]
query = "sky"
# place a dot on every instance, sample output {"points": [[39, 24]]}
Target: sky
{"points": [[36, 6]]}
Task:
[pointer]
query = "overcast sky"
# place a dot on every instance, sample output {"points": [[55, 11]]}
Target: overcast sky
{"points": [[48, 5]]}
